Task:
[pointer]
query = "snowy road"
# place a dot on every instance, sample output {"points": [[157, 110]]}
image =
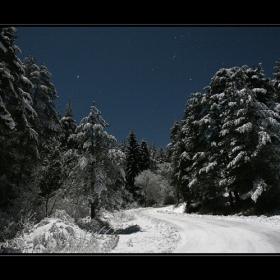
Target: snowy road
{"points": [[209, 235]]}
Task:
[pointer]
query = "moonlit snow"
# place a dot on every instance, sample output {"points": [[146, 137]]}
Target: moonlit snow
{"points": [[132, 232]]}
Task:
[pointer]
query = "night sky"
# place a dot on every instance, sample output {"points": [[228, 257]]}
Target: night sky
{"points": [[140, 77]]}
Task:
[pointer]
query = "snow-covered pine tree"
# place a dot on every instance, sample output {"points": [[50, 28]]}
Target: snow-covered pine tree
{"points": [[193, 149], [16, 116], [122, 145], [133, 162], [43, 95], [68, 125], [95, 176], [276, 82], [242, 132], [160, 155], [175, 154], [153, 153]]}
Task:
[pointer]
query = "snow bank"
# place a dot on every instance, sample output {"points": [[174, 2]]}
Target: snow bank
{"points": [[272, 220]]}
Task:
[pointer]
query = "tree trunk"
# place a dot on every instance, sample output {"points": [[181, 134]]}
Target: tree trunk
{"points": [[53, 205], [92, 210], [93, 206]]}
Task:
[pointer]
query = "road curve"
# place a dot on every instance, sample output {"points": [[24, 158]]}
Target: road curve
{"points": [[209, 235]]}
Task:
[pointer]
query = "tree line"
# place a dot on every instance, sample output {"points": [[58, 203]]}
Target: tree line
{"points": [[48, 160]]}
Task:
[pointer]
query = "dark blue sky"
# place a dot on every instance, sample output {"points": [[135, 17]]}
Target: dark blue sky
{"points": [[140, 77]]}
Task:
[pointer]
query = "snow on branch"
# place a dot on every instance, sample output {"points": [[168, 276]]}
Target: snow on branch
{"points": [[264, 138], [32, 133], [6, 116], [83, 162], [87, 144], [236, 159], [241, 112], [227, 181], [199, 155], [207, 168], [273, 122], [239, 120], [192, 183], [231, 104], [26, 80], [97, 127], [206, 119], [237, 148], [2, 47], [260, 90], [247, 127], [227, 123], [185, 156], [258, 187], [224, 132]]}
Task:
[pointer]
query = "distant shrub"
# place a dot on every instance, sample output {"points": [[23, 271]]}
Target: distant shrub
{"points": [[169, 200]]}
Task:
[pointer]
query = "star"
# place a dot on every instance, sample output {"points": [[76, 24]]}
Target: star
{"points": [[78, 76]]}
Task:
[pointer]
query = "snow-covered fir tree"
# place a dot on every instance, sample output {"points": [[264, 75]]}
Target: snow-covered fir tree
{"points": [[122, 145], [174, 149], [68, 125], [160, 155], [95, 178], [17, 118], [276, 81], [133, 162], [153, 154], [43, 95], [231, 135]]}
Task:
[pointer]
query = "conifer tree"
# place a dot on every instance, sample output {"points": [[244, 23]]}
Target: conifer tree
{"points": [[160, 155], [16, 117], [145, 155], [68, 125], [192, 148], [133, 162], [122, 145], [276, 82], [50, 178], [94, 176], [153, 154], [250, 131], [231, 136], [43, 95], [175, 154]]}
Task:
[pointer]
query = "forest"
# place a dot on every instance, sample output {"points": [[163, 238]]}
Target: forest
{"points": [[223, 156]]}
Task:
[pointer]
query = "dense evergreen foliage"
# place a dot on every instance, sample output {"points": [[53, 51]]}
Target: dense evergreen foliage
{"points": [[224, 155], [133, 165], [229, 140]]}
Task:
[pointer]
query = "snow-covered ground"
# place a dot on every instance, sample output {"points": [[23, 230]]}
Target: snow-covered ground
{"points": [[221, 234], [271, 220], [130, 231]]}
